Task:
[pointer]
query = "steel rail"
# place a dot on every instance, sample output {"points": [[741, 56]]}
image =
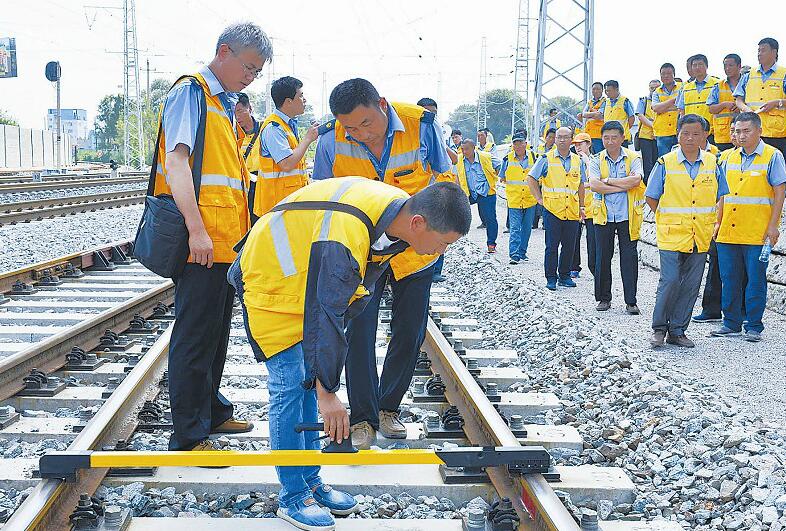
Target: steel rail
{"points": [[7, 179], [536, 504], [49, 208], [66, 184]]}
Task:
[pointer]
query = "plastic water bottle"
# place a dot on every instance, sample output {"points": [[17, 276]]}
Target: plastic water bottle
{"points": [[766, 249]]}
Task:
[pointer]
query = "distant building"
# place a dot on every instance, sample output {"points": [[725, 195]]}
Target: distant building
{"points": [[73, 122]]}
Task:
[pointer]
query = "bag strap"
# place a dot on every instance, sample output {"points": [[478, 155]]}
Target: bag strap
{"points": [[199, 143], [251, 144]]}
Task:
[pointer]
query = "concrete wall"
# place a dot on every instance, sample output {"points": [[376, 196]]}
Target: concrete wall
{"points": [[32, 148], [776, 271]]}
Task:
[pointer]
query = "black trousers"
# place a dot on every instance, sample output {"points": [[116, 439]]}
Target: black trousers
{"points": [[589, 227], [576, 264], [649, 154], [778, 143], [629, 261], [560, 238], [252, 190], [197, 352]]}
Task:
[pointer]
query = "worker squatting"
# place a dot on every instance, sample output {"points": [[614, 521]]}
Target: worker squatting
{"points": [[309, 255]]}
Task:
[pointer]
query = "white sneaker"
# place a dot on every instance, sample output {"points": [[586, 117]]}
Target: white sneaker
{"points": [[363, 435], [390, 426]]}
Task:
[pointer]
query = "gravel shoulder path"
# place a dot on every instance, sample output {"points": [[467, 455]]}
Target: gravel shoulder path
{"points": [[752, 376]]}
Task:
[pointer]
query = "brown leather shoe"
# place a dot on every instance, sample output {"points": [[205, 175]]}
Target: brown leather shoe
{"points": [[207, 446], [233, 426], [680, 341], [658, 336]]}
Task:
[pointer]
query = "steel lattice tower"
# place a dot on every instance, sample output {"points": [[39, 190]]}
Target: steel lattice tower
{"points": [[482, 103], [521, 117], [566, 31], [133, 133]]}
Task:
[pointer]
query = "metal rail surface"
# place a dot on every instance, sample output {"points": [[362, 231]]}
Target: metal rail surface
{"points": [[25, 211], [68, 184], [65, 177]]}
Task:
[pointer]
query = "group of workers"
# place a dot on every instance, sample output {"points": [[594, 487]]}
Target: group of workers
{"points": [[310, 256]]}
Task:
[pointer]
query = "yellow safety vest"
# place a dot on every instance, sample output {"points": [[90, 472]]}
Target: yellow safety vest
{"points": [[541, 150], [560, 188], [712, 148], [758, 92], [617, 112], [666, 123], [489, 147], [222, 203], [593, 127], [551, 124], [516, 181], [646, 131], [488, 170], [724, 155], [404, 170], [250, 144], [695, 100], [635, 196], [748, 206], [275, 258], [686, 213], [273, 183], [721, 122]]}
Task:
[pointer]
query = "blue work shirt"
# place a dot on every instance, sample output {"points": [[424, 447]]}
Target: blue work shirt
{"points": [[628, 106], [432, 152], [541, 167], [273, 141], [776, 170], [641, 106], [714, 96], [181, 110], [680, 103], [476, 179], [617, 202], [657, 179], [656, 96], [765, 75]]}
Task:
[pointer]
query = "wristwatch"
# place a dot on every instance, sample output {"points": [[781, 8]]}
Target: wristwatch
{"points": [[780, 104]]}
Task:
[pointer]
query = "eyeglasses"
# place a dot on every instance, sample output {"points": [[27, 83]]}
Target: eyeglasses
{"points": [[256, 72]]}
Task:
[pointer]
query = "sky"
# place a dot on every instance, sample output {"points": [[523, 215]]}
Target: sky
{"points": [[408, 49]]}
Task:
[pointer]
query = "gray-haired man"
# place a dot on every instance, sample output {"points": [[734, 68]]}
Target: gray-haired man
{"points": [[203, 297]]}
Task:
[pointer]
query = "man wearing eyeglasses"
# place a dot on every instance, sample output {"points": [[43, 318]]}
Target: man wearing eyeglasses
{"points": [[205, 102]]}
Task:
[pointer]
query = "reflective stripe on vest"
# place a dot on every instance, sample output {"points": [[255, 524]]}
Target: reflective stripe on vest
{"points": [[617, 112], [665, 123], [722, 120], [561, 188], [273, 183], [695, 100]]}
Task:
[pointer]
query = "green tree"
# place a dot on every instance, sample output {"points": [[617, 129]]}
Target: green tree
{"points": [[7, 119], [107, 123], [567, 109]]}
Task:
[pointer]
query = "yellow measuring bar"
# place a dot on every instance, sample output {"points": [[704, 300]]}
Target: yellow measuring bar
{"points": [[263, 458]]}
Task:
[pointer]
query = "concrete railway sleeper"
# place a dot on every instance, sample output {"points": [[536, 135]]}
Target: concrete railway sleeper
{"points": [[474, 414]]}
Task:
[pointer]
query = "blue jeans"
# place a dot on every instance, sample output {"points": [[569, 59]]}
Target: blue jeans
{"points": [[665, 144], [291, 404], [487, 208], [734, 261], [597, 145], [520, 230], [559, 232]]}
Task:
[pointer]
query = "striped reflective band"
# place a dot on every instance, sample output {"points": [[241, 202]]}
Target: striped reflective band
{"points": [[736, 200], [355, 151], [403, 159], [328, 217], [278, 230], [281, 174], [731, 166], [686, 210], [218, 112], [212, 179], [560, 190]]}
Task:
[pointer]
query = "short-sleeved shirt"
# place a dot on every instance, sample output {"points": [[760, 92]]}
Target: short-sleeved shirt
{"points": [[505, 164], [273, 141], [765, 75], [776, 169], [714, 97], [657, 180], [628, 106], [617, 202], [680, 103], [641, 106], [432, 151], [180, 117], [669, 93], [541, 167], [476, 179]]}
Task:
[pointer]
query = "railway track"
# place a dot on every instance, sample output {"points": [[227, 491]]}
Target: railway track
{"points": [[28, 179], [67, 184], [26, 211], [136, 413]]}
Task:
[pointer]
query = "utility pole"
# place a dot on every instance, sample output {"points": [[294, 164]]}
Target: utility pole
{"points": [[557, 73], [324, 95], [133, 133], [482, 103], [521, 72]]}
